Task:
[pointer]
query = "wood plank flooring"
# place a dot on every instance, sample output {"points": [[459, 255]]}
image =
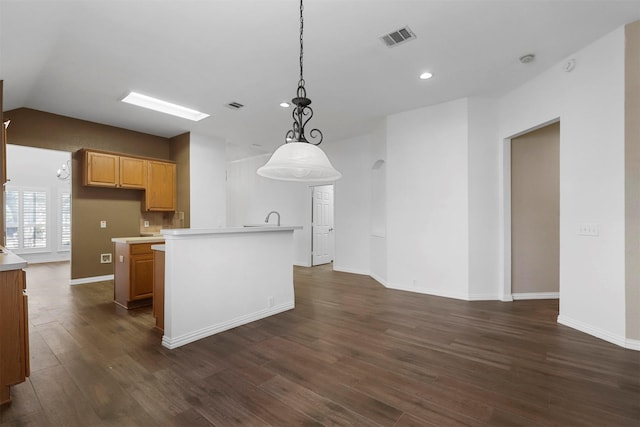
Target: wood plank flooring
{"points": [[350, 353]]}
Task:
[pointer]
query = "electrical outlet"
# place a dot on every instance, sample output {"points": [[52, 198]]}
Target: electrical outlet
{"points": [[589, 229], [103, 224], [272, 301], [146, 224], [105, 258]]}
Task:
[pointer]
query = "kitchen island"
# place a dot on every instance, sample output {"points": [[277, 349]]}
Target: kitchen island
{"points": [[218, 279], [133, 271]]}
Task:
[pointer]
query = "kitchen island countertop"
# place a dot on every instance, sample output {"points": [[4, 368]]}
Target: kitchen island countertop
{"points": [[138, 239], [10, 261]]}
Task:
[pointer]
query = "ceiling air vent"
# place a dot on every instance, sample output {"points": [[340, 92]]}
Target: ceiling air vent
{"points": [[235, 105], [397, 37]]}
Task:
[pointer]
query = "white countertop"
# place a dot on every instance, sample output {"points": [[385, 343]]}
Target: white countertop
{"points": [[10, 261], [176, 232], [132, 240]]}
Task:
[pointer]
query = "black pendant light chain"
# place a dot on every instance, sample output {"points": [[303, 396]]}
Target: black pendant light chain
{"points": [[302, 113], [301, 82]]}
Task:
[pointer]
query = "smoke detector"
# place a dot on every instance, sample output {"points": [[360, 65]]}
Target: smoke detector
{"points": [[398, 37], [527, 58]]}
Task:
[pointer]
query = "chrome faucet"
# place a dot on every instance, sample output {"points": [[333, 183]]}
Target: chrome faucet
{"points": [[269, 214]]}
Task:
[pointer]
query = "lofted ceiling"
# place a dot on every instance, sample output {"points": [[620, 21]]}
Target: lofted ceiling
{"points": [[79, 58]]}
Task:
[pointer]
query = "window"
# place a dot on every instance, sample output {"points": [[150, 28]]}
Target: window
{"points": [[26, 219], [12, 215], [65, 221]]}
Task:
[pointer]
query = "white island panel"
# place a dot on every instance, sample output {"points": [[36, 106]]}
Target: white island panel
{"points": [[218, 279]]}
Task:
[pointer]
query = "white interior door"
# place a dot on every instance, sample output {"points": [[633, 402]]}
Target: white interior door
{"points": [[322, 225]]}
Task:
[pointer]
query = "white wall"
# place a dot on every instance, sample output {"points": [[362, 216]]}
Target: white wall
{"points": [[590, 104], [379, 204], [446, 225], [484, 200], [251, 197], [352, 203], [427, 196], [207, 163]]}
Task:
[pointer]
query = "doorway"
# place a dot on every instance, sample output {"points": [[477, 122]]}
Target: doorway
{"points": [[322, 231], [38, 204], [535, 214]]}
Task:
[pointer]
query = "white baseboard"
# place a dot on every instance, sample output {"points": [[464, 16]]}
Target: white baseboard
{"points": [[482, 297], [379, 279], [536, 295], [599, 333], [429, 291], [632, 344], [349, 270], [181, 340], [93, 279]]}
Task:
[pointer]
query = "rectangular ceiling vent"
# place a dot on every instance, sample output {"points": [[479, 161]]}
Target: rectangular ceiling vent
{"points": [[235, 105], [398, 37]]}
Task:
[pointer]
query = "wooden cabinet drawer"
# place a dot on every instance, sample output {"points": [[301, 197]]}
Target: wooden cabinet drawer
{"points": [[140, 248]]}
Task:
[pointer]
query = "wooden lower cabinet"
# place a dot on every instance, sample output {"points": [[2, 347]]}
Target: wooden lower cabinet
{"points": [[158, 288], [133, 278], [14, 331]]}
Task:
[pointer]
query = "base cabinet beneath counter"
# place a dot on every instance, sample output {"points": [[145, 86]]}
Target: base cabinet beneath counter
{"points": [[133, 278], [158, 285], [14, 331]]}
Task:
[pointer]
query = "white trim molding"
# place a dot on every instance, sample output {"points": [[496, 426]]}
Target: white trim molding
{"points": [[349, 270], [600, 333], [181, 340], [632, 344], [379, 279], [94, 279], [430, 291], [482, 297], [536, 295]]}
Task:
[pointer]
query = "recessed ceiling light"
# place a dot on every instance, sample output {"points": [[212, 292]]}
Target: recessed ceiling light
{"points": [[284, 105], [426, 75], [155, 104]]}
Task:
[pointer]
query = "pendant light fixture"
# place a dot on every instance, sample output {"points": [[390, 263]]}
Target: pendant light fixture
{"points": [[300, 159]]}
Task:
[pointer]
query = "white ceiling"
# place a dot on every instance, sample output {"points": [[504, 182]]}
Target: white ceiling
{"points": [[79, 58]]}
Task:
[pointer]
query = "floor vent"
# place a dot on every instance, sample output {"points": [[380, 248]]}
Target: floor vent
{"points": [[235, 105], [397, 37]]}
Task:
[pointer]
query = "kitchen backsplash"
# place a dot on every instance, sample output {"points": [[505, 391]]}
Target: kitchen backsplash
{"points": [[160, 220]]}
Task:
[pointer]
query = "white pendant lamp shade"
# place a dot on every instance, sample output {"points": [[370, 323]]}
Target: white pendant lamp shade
{"points": [[299, 161]]}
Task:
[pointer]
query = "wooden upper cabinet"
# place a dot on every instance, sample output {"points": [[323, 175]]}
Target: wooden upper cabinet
{"points": [[101, 169], [156, 177], [133, 173], [161, 186]]}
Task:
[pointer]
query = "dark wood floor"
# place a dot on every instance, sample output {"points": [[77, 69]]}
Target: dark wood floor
{"points": [[351, 353]]}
